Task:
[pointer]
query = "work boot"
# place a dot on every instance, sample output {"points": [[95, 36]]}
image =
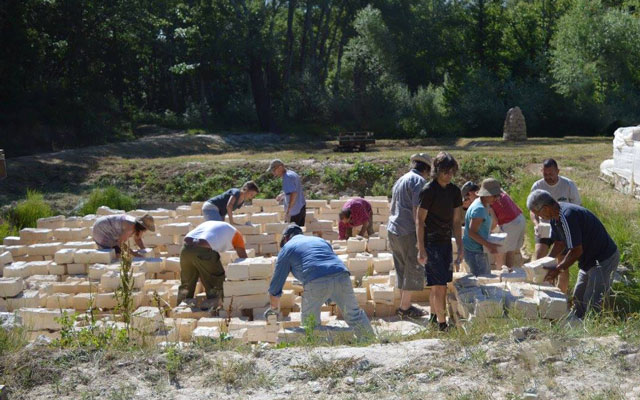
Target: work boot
{"points": [[444, 327]]}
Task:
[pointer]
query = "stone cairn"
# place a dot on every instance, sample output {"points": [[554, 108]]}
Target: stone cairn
{"points": [[515, 127]]}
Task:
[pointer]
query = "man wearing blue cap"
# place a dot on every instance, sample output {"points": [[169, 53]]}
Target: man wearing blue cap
{"points": [[324, 276]]}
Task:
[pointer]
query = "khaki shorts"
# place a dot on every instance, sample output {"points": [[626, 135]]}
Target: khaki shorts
{"points": [[409, 274], [515, 234]]}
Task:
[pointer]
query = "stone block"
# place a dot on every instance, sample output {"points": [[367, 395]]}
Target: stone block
{"points": [[175, 229], [245, 288], [50, 222], [64, 256], [489, 308], [264, 218], [183, 311], [5, 258], [43, 249], [79, 245], [523, 307], [260, 239], [551, 304], [148, 265], [95, 271], [87, 287], [12, 241], [260, 268], [360, 265], [27, 298], [36, 319], [238, 270], [172, 264], [361, 295], [206, 333], [383, 294], [320, 225], [356, 244], [146, 319], [250, 229], [376, 244], [77, 269], [187, 211], [70, 287], [156, 239], [269, 248], [71, 234], [58, 300], [38, 267], [516, 275], [35, 235], [16, 250], [246, 302], [264, 202], [275, 227], [106, 301], [11, 287], [83, 301], [93, 256], [57, 269], [383, 263], [537, 270]]}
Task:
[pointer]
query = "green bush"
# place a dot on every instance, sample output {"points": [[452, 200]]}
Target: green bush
{"points": [[27, 212], [7, 230], [110, 197]]}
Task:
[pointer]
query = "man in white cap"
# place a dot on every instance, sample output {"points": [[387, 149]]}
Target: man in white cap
{"points": [[295, 206], [405, 199]]}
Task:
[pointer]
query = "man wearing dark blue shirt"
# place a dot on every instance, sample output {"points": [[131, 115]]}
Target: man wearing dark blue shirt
{"points": [[577, 230], [324, 276]]}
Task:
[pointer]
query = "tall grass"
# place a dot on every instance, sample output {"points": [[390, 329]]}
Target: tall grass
{"points": [[110, 197], [26, 213]]}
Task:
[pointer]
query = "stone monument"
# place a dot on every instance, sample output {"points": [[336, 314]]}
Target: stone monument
{"points": [[515, 128]]}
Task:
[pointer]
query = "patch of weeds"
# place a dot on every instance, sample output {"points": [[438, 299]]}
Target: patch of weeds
{"points": [[319, 367], [110, 197], [238, 373], [175, 361], [527, 358], [606, 394], [475, 394], [12, 340], [26, 213], [123, 392]]}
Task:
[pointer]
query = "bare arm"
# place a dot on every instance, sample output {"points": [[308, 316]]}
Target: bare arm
{"points": [[457, 233], [474, 227], [534, 218], [572, 256], [557, 249], [230, 204], [421, 217], [494, 219], [242, 253]]}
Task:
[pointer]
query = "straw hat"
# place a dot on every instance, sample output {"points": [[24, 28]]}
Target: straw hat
{"points": [[489, 187], [147, 221]]}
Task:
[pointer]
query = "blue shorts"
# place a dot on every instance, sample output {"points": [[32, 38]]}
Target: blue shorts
{"points": [[439, 267]]}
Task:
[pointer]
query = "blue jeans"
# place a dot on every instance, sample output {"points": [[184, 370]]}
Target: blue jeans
{"points": [[477, 262], [336, 287], [212, 214], [593, 285]]}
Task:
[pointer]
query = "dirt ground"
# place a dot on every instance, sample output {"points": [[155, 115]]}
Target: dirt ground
{"points": [[544, 368]]}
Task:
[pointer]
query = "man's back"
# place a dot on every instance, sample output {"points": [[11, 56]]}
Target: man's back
{"points": [[405, 196], [308, 258]]}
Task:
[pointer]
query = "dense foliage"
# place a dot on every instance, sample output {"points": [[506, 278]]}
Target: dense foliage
{"points": [[78, 72]]}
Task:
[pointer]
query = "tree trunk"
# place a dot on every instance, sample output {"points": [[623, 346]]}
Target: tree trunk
{"points": [[260, 94]]}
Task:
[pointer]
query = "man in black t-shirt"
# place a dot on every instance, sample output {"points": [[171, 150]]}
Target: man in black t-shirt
{"points": [[579, 231], [438, 219]]}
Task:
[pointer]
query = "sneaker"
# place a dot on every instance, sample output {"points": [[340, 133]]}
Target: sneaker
{"points": [[411, 312]]}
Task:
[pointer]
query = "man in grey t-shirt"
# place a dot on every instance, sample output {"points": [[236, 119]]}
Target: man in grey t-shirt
{"points": [[561, 189], [405, 199]]}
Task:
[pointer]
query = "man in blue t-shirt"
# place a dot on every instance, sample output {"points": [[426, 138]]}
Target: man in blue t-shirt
{"points": [[324, 276], [579, 231], [295, 207]]}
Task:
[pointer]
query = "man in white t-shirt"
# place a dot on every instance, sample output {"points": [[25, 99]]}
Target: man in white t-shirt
{"points": [[200, 258], [562, 189]]}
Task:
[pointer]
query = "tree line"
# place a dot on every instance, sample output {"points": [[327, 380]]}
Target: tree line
{"points": [[79, 72]]}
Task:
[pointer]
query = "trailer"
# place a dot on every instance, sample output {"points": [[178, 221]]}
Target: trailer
{"points": [[354, 141]]}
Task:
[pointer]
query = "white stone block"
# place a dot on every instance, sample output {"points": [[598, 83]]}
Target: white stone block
{"points": [[383, 263], [16, 250], [12, 241], [146, 319], [64, 256], [537, 270], [11, 287], [361, 295], [356, 244], [106, 301], [245, 288], [96, 271], [376, 244], [247, 301], [76, 269], [36, 319], [58, 300], [206, 332], [27, 298], [260, 239], [34, 235], [264, 218], [249, 229], [6, 258], [43, 249], [238, 270], [93, 256], [57, 269], [175, 229], [172, 264], [551, 304], [50, 222], [79, 245]]}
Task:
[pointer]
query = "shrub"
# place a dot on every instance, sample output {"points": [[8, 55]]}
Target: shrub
{"points": [[110, 197], [27, 212]]}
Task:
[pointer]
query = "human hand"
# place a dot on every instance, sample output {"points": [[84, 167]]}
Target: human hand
{"points": [[536, 230], [287, 217], [552, 275], [280, 197], [460, 257], [422, 257]]}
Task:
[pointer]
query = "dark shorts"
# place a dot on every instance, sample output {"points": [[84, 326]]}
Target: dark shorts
{"points": [[546, 241], [439, 268], [300, 218]]}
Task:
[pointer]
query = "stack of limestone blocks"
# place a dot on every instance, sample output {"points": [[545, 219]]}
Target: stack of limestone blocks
{"points": [[56, 266], [520, 292]]}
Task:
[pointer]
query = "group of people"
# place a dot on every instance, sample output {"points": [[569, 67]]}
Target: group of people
{"points": [[427, 211]]}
